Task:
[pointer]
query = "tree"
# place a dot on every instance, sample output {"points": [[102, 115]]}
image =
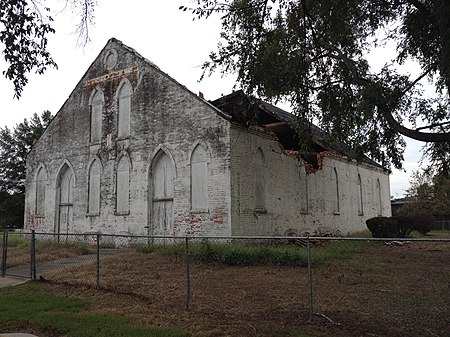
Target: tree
{"points": [[428, 192], [24, 29], [313, 53], [14, 147]]}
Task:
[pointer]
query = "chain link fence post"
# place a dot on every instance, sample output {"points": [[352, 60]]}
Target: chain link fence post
{"points": [[5, 252], [33, 255], [188, 278], [98, 261], [310, 288]]}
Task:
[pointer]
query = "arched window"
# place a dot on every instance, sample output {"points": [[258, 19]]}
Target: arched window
{"points": [[123, 186], [94, 188], [162, 186], [378, 197], [65, 198], [260, 193], [303, 189], [124, 95], [96, 109], [199, 179], [41, 181], [335, 179], [360, 195]]}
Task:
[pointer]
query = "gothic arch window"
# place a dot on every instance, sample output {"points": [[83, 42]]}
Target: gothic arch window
{"points": [[336, 201], [260, 193], [123, 186], [199, 178], [94, 187], [124, 98], [41, 181], [96, 110], [360, 195], [162, 176], [65, 188], [378, 197], [303, 189]]}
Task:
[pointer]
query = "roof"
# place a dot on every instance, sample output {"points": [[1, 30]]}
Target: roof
{"points": [[248, 110]]}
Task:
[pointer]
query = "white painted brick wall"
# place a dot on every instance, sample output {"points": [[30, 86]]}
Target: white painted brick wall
{"points": [[284, 214], [163, 113]]}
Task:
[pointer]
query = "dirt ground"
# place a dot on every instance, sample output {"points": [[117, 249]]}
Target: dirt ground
{"points": [[387, 290]]}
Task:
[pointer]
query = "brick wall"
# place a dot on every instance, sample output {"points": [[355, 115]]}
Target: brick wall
{"points": [[164, 116], [284, 214]]}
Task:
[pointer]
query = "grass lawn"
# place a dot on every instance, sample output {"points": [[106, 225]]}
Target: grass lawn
{"points": [[28, 306]]}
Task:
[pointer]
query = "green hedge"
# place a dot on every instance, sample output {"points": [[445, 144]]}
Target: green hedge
{"points": [[400, 226]]}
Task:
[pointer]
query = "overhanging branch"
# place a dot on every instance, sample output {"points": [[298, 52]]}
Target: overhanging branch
{"points": [[415, 134]]}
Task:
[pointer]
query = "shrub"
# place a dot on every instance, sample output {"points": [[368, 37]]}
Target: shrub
{"points": [[404, 225], [423, 222], [382, 227]]}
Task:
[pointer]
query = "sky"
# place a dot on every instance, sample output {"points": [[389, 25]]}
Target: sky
{"points": [[160, 32]]}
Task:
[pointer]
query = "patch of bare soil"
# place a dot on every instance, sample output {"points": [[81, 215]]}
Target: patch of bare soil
{"points": [[384, 291]]}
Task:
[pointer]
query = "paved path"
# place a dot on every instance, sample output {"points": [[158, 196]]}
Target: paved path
{"points": [[11, 281], [49, 266]]}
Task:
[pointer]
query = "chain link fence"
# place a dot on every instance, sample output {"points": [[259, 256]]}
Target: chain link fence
{"points": [[191, 270]]}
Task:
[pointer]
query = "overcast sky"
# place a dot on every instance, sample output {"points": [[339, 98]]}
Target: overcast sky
{"points": [[157, 30]]}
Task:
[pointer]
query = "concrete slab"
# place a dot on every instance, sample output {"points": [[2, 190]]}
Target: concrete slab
{"points": [[8, 281]]}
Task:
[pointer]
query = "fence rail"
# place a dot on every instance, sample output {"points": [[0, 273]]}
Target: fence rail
{"points": [[99, 258]]}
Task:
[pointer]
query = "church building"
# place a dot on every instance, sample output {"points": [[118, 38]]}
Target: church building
{"points": [[132, 151]]}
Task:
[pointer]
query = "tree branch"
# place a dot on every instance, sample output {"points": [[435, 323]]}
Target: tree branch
{"points": [[415, 134]]}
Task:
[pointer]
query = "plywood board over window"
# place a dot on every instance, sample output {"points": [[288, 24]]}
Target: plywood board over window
{"points": [[260, 183], [378, 202], [96, 111], [123, 186], [336, 197], [360, 195], [94, 188], [125, 91], [303, 189], [163, 173], [199, 179], [41, 181], [65, 187]]}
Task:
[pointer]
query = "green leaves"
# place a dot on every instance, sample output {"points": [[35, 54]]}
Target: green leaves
{"points": [[24, 30], [314, 54], [25, 39], [14, 147]]}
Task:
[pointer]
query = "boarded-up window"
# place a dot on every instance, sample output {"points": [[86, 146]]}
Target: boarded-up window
{"points": [[94, 188], [163, 174], [360, 195], [124, 110], [303, 190], [65, 186], [378, 197], [96, 108], [123, 186], [260, 193], [41, 181], [199, 179], [335, 181]]}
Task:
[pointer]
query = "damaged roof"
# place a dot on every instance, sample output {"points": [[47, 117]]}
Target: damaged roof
{"points": [[247, 110]]}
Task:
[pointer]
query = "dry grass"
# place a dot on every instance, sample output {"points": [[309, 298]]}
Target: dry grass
{"points": [[383, 291]]}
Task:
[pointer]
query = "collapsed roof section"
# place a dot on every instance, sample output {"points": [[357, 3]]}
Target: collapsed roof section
{"points": [[247, 111]]}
